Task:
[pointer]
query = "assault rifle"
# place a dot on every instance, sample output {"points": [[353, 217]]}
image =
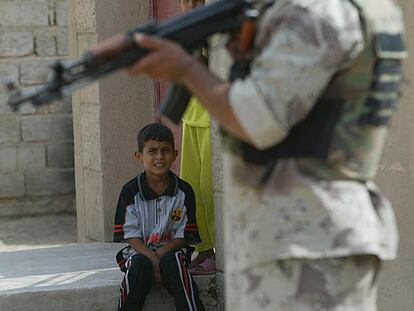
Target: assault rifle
{"points": [[190, 30]]}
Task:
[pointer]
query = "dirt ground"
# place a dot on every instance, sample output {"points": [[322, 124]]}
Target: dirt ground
{"points": [[36, 232]]}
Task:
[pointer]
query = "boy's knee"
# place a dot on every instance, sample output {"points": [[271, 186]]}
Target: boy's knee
{"points": [[168, 259], [139, 261]]}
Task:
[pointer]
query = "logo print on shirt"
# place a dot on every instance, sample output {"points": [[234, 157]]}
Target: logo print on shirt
{"points": [[177, 214]]}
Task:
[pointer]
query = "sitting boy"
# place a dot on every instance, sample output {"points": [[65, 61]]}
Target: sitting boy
{"points": [[156, 216]]}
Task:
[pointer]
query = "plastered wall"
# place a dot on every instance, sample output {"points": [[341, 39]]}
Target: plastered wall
{"points": [[396, 179]]}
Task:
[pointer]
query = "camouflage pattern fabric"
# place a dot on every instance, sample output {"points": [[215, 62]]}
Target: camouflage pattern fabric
{"points": [[307, 57], [300, 46], [306, 285], [297, 213]]}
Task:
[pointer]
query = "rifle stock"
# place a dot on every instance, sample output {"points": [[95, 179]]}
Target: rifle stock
{"points": [[190, 30]]}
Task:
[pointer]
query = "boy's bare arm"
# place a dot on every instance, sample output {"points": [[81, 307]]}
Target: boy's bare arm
{"points": [[138, 245], [170, 246]]}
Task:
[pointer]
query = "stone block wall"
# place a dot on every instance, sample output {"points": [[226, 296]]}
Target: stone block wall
{"points": [[36, 144]]}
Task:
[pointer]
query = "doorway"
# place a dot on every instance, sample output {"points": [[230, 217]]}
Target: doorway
{"points": [[161, 10]]}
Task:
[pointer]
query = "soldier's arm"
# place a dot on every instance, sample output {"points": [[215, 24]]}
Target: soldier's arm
{"points": [[300, 47], [168, 61]]}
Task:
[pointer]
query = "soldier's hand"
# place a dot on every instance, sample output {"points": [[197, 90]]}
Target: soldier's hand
{"points": [[165, 61]]}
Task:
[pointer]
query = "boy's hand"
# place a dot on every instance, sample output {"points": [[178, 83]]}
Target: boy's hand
{"points": [[155, 260], [140, 247], [175, 244], [161, 252]]}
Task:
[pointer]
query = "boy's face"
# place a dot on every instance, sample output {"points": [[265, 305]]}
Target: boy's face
{"points": [[157, 157]]}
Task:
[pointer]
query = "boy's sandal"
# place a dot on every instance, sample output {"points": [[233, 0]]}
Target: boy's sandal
{"points": [[208, 266], [201, 256]]}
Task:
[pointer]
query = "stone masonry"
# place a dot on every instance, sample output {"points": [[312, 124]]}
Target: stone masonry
{"points": [[36, 144]]}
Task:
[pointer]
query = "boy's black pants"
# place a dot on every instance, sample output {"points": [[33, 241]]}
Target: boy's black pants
{"points": [[138, 280]]}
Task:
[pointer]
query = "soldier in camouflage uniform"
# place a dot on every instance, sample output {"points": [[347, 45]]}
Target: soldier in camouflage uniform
{"points": [[305, 227]]}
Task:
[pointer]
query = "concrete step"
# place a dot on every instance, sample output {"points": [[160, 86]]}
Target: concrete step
{"points": [[77, 277]]}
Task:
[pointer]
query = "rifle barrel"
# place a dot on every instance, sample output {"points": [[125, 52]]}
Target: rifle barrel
{"points": [[190, 30]]}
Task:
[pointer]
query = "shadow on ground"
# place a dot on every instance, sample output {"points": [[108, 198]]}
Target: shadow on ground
{"points": [[37, 232]]}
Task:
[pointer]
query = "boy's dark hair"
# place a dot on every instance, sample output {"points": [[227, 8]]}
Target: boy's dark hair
{"points": [[154, 131]]}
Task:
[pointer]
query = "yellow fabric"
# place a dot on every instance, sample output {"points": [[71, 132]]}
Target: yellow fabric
{"points": [[196, 114], [196, 169]]}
